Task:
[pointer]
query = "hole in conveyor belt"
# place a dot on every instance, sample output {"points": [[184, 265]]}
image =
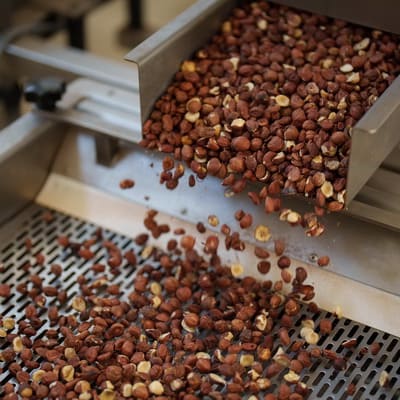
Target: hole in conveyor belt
{"points": [[339, 385], [396, 356], [366, 364], [392, 344], [323, 389]]}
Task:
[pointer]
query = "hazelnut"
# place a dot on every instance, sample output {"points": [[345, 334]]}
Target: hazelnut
{"points": [[383, 379], [338, 312], [176, 384], [155, 288], [192, 117], [323, 261], [327, 189], [238, 123], [261, 322], [325, 326], [107, 394], [8, 323], [193, 105], [293, 217], [246, 360], [362, 44], [354, 77], [291, 377], [156, 387], [311, 337], [346, 68], [262, 24], [146, 252], [78, 304], [217, 379], [262, 233], [144, 367], [308, 323], [126, 390], [17, 344], [191, 319], [213, 220], [69, 353], [241, 143], [186, 327], [67, 373], [282, 100], [188, 66], [37, 375], [237, 270]]}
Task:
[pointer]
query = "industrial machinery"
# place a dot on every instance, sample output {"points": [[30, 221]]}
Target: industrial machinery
{"points": [[70, 158]]}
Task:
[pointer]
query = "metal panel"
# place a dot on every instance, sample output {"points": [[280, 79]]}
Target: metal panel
{"points": [[324, 382], [38, 58], [358, 250], [27, 149], [159, 56], [374, 137]]}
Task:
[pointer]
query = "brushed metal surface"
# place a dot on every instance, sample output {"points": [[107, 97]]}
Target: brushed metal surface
{"points": [[27, 150], [40, 58], [360, 250]]}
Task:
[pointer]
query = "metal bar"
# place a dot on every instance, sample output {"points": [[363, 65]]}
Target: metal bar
{"points": [[27, 150], [159, 56], [38, 58], [374, 137], [383, 15], [100, 108]]}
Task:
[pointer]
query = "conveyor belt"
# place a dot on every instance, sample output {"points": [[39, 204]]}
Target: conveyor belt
{"points": [[324, 381]]}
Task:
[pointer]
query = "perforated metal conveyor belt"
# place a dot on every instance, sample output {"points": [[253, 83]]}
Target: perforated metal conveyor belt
{"points": [[324, 381]]}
